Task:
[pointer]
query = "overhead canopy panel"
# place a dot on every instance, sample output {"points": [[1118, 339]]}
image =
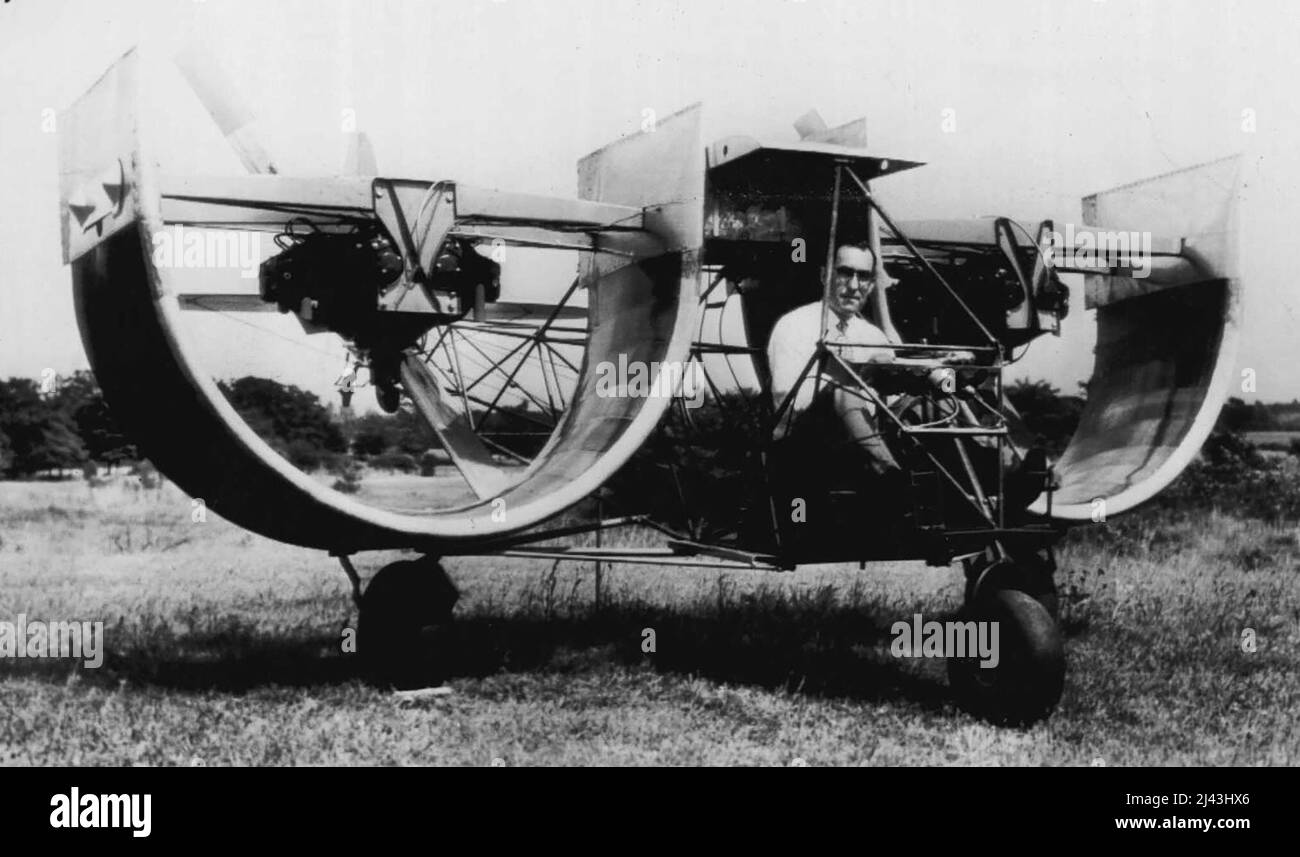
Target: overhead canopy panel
{"points": [[789, 170]]}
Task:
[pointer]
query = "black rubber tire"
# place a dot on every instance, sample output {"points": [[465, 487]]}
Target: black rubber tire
{"points": [[1032, 577], [389, 397], [402, 629], [1027, 681]]}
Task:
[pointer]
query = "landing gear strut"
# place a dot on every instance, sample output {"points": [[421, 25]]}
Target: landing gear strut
{"points": [[1026, 681], [1031, 573]]}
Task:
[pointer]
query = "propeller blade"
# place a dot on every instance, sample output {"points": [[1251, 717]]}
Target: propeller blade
{"points": [[213, 87], [809, 124], [813, 129], [467, 450], [360, 157]]}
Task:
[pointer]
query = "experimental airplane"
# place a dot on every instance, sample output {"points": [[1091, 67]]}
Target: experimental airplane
{"points": [[674, 236]]}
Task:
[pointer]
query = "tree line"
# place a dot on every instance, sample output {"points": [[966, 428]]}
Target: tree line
{"points": [[58, 424], [65, 423]]}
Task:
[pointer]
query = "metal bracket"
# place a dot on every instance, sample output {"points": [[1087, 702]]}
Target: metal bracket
{"points": [[355, 579], [419, 236]]}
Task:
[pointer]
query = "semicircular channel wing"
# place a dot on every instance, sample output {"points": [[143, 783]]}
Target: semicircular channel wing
{"points": [[1165, 351]]}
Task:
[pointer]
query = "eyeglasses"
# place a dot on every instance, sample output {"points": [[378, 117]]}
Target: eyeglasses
{"points": [[847, 273]]}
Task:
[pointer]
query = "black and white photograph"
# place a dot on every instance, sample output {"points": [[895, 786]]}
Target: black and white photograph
{"points": [[553, 383]]}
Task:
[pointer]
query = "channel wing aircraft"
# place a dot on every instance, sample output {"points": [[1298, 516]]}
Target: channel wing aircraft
{"points": [[682, 244]]}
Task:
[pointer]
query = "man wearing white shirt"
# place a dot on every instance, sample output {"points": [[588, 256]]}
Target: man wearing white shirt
{"points": [[794, 342]]}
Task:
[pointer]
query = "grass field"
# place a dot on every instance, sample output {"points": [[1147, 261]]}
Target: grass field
{"points": [[224, 649]]}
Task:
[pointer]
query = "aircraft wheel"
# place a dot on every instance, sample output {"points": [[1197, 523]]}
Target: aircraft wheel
{"points": [[1028, 677], [1033, 576], [404, 623], [389, 397]]}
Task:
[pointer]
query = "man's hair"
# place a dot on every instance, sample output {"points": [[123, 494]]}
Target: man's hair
{"points": [[858, 245]]}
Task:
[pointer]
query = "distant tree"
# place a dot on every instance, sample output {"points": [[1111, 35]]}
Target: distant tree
{"points": [[1051, 416], [404, 432], [1286, 417], [80, 397], [1261, 418], [41, 434], [1238, 416], [72, 391], [292, 420], [413, 435], [305, 455], [370, 441], [1235, 416]]}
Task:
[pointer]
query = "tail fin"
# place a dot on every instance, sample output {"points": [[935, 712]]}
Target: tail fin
{"points": [[99, 159]]}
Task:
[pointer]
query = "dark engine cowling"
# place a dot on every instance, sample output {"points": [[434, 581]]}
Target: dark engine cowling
{"points": [[460, 269], [331, 281], [334, 282]]}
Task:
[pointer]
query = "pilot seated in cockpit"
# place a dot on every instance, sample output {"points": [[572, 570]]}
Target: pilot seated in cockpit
{"points": [[836, 401], [794, 341]]}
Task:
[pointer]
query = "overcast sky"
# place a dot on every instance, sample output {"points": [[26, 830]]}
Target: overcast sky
{"points": [[1051, 101]]}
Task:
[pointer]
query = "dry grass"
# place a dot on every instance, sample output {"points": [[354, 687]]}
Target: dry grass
{"points": [[224, 648]]}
